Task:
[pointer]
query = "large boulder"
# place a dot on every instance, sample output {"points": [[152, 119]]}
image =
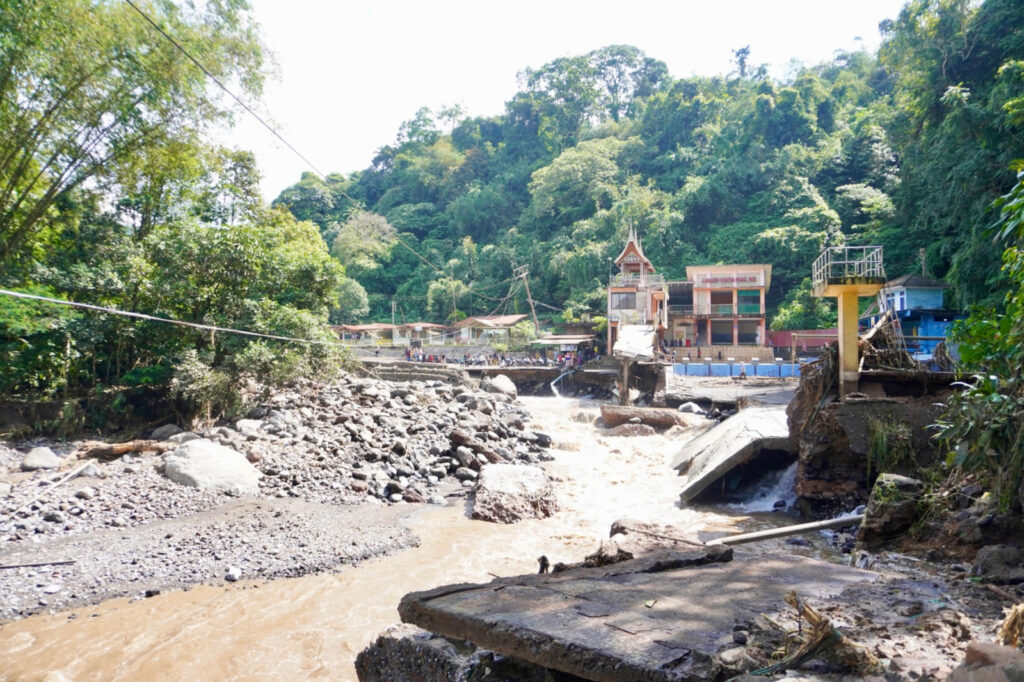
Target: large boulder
{"points": [[891, 510], [632, 430], [999, 564], [40, 458], [506, 493], [205, 464], [500, 384]]}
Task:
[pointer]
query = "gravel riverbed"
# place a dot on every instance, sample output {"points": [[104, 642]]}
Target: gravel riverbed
{"points": [[340, 466]]}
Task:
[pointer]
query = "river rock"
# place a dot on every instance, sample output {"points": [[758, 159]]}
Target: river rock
{"points": [[40, 458], [164, 432], [205, 464], [250, 428], [986, 661], [891, 510], [506, 493], [500, 384], [465, 474], [91, 470]]}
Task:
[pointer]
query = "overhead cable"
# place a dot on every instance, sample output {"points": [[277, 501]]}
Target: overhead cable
{"points": [[278, 135], [153, 318]]}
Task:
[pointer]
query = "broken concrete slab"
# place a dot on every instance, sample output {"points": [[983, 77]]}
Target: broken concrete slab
{"points": [[507, 493], [732, 442], [646, 619]]}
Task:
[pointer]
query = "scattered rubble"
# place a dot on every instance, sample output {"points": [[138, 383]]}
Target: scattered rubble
{"points": [[316, 448]]}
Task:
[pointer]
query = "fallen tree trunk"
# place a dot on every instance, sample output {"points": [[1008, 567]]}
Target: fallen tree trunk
{"points": [[658, 417], [114, 450]]}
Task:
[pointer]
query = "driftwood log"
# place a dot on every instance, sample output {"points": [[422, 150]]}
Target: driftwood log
{"points": [[658, 417], [115, 450], [822, 639]]}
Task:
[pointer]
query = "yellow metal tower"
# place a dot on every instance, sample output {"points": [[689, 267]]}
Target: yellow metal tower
{"points": [[847, 273]]}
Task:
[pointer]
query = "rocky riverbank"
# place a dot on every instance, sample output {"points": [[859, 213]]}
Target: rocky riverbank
{"points": [[336, 468]]}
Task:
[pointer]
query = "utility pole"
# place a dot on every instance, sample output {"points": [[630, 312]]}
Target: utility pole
{"points": [[523, 272], [392, 312]]}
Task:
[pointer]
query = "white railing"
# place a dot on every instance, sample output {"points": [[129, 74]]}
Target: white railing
{"points": [[642, 280], [848, 262]]}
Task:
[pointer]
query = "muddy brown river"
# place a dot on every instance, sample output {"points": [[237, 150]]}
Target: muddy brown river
{"points": [[313, 627]]}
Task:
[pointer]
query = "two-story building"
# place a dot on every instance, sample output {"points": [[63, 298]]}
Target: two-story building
{"points": [[637, 295], [720, 305]]}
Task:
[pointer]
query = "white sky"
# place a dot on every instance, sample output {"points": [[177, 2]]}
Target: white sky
{"points": [[351, 71]]}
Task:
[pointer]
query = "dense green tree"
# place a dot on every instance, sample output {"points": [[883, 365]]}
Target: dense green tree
{"points": [[804, 310], [906, 150], [86, 86]]}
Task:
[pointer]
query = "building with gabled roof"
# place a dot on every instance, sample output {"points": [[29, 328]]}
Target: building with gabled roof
{"points": [[918, 302], [488, 328]]}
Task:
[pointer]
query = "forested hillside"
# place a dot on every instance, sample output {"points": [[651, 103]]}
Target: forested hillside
{"points": [[907, 149], [111, 195]]}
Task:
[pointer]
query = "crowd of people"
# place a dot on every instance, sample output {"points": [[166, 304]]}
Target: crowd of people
{"points": [[565, 359]]}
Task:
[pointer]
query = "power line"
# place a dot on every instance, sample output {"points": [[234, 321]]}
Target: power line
{"points": [[193, 325], [224, 87], [153, 318], [278, 135]]}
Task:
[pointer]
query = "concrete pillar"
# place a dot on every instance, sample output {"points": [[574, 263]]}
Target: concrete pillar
{"points": [[624, 385], [849, 357]]}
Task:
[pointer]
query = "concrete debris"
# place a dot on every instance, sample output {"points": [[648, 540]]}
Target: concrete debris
{"points": [[506, 493], [732, 442]]}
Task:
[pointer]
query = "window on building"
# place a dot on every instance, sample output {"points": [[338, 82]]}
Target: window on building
{"points": [[624, 301], [748, 301], [897, 300], [721, 297]]}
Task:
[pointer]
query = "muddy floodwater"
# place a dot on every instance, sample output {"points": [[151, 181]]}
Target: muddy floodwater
{"points": [[313, 627]]}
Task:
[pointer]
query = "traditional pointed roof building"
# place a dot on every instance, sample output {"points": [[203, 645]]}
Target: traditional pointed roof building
{"points": [[632, 259], [636, 296]]}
